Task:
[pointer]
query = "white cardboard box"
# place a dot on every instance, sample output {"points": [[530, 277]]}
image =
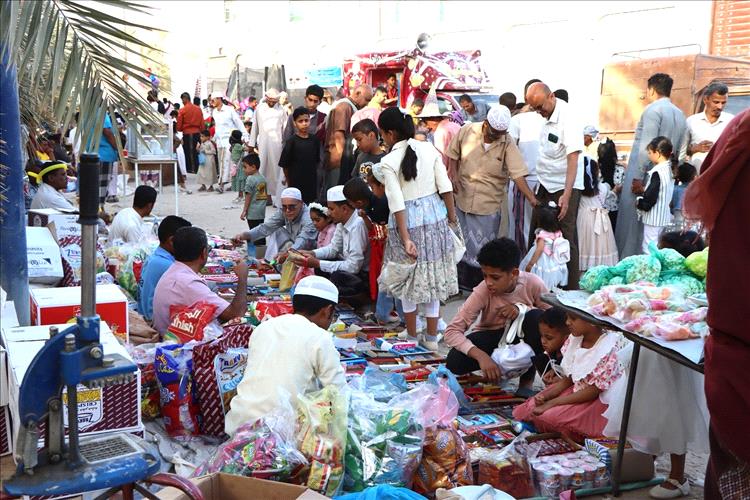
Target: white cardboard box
{"points": [[50, 306], [43, 256], [112, 408], [66, 223], [4, 389]]}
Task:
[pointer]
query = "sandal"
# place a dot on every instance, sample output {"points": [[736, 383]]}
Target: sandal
{"points": [[680, 490], [202, 188], [210, 188]]}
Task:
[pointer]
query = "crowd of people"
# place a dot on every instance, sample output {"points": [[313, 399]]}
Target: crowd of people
{"points": [[403, 210]]}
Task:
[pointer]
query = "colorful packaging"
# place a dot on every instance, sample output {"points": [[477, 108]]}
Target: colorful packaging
{"points": [[189, 322], [173, 365], [230, 368]]}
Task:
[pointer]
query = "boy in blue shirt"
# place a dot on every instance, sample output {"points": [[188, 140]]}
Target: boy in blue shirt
{"points": [[157, 264]]}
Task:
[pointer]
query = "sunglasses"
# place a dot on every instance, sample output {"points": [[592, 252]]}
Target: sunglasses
{"points": [[289, 208]]}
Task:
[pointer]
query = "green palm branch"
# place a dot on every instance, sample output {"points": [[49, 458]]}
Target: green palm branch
{"points": [[68, 57]]}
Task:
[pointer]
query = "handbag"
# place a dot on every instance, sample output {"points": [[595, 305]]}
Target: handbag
{"points": [[201, 158], [513, 359], [459, 245]]}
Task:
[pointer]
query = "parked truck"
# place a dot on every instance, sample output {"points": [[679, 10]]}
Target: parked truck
{"points": [[623, 90]]}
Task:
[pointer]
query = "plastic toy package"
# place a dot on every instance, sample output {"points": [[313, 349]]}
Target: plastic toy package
{"points": [[384, 444], [627, 302], [322, 419], [174, 365], [508, 469]]}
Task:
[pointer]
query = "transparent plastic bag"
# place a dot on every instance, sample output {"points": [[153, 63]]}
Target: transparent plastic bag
{"points": [[174, 371], [508, 469], [380, 384]]}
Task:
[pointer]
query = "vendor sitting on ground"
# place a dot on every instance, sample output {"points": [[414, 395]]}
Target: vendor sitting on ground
{"points": [[158, 263], [128, 225], [182, 285], [345, 261], [52, 179], [504, 285], [294, 352], [290, 225]]}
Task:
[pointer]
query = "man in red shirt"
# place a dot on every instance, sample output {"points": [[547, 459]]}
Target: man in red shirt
{"points": [[190, 123]]}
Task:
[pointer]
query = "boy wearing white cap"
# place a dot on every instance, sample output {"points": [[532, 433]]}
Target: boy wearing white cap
{"points": [[293, 351], [346, 259]]}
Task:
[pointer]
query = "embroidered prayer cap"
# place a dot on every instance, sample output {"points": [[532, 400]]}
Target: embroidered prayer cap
{"points": [[272, 93], [292, 193], [336, 193], [317, 286], [217, 95], [499, 117]]}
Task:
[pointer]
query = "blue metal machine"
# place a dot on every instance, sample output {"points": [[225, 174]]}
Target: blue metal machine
{"points": [[75, 356]]}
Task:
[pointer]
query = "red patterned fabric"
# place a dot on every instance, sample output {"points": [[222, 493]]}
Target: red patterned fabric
{"points": [[204, 376], [377, 236]]}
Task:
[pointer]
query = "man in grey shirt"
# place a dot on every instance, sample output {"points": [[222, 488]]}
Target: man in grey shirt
{"points": [[660, 118], [471, 111], [290, 225]]}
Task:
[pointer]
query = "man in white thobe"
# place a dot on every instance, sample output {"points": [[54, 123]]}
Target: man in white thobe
{"points": [[266, 137], [226, 119]]}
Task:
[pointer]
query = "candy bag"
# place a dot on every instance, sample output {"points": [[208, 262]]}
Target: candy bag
{"points": [[697, 263], [188, 322], [595, 278], [174, 365], [508, 469], [322, 420], [230, 368]]}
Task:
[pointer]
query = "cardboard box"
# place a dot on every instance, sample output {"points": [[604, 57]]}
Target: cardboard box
{"points": [[222, 486], [43, 256], [636, 466], [51, 306], [112, 408], [3, 377], [65, 222]]}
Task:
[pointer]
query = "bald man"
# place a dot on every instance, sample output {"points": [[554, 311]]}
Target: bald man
{"points": [[339, 157], [559, 167]]}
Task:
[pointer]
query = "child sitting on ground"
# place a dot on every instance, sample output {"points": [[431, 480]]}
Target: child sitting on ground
{"points": [[323, 223], [548, 256], [256, 197], [686, 242], [553, 332], [575, 405], [238, 178], [370, 200], [686, 173], [365, 132]]}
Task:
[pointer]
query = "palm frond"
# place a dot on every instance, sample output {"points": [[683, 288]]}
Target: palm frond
{"points": [[68, 56]]}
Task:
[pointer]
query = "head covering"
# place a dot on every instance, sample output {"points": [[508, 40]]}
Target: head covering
{"points": [[48, 167], [591, 130], [217, 95], [431, 108], [499, 117], [317, 286], [272, 93], [377, 172], [292, 193], [336, 193]]}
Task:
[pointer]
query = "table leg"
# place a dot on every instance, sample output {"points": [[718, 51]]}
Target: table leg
{"points": [[176, 192], [625, 420]]}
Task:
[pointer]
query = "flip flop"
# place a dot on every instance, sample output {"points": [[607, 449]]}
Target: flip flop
{"points": [[525, 392]]}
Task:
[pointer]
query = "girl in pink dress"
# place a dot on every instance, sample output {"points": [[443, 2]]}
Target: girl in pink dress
{"points": [[323, 223], [574, 406]]}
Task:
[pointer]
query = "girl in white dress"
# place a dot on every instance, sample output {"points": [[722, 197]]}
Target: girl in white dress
{"points": [[596, 239], [550, 253]]}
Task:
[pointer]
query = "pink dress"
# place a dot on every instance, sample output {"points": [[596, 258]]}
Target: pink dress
{"points": [[326, 235], [598, 366]]}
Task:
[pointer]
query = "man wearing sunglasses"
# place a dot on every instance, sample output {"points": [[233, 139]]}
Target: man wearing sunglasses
{"points": [[290, 226]]}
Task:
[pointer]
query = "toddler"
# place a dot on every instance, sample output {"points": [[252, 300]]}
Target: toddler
{"points": [[685, 175], [548, 256], [206, 162], [238, 176]]}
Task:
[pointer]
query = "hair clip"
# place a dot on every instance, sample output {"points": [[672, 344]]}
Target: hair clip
{"points": [[552, 204]]}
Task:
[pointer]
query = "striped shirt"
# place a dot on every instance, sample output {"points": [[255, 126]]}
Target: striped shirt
{"points": [[654, 204]]}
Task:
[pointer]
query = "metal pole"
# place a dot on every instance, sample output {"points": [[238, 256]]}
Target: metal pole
{"points": [[88, 175], [617, 473], [14, 272]]}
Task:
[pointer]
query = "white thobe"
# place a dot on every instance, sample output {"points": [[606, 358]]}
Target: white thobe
{"points": [[267, 135], [226, 119]]}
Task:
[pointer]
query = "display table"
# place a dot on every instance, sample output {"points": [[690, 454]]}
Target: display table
{"points": [[158, 165], [638, 342]]}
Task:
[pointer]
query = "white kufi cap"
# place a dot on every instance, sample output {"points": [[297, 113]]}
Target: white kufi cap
{"points": [[317, 286], [292, 193], [499, 117], [336, 193]]}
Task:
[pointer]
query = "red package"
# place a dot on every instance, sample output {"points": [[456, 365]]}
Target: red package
{"points": [[204, 375], [173, 366], [188, 322], [137, 268], [272, 308]]}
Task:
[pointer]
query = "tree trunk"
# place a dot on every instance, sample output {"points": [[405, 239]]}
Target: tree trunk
{"points": [[14, 273]]}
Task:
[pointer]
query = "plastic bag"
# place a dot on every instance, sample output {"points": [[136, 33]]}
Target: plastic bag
{"points": [[188, 322], [384, 444], [638, 268], [444, 372], [262, 449], [380, 384], [445, 459], [508, 469], [323, 420], [595, 278], [697, 263], [174, 365], [230, 368], [670, 259], [288, 273]]}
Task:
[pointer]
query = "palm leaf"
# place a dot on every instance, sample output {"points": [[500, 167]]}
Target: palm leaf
{"points": [[67, 53]]}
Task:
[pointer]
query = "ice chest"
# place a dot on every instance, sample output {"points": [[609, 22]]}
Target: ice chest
{"points": [[100, 410], [66, 223], [220, 486], [43, 256], [50, 306]]}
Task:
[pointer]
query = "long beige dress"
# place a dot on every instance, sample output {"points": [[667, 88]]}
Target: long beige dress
{"points": [[207, 170]]}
